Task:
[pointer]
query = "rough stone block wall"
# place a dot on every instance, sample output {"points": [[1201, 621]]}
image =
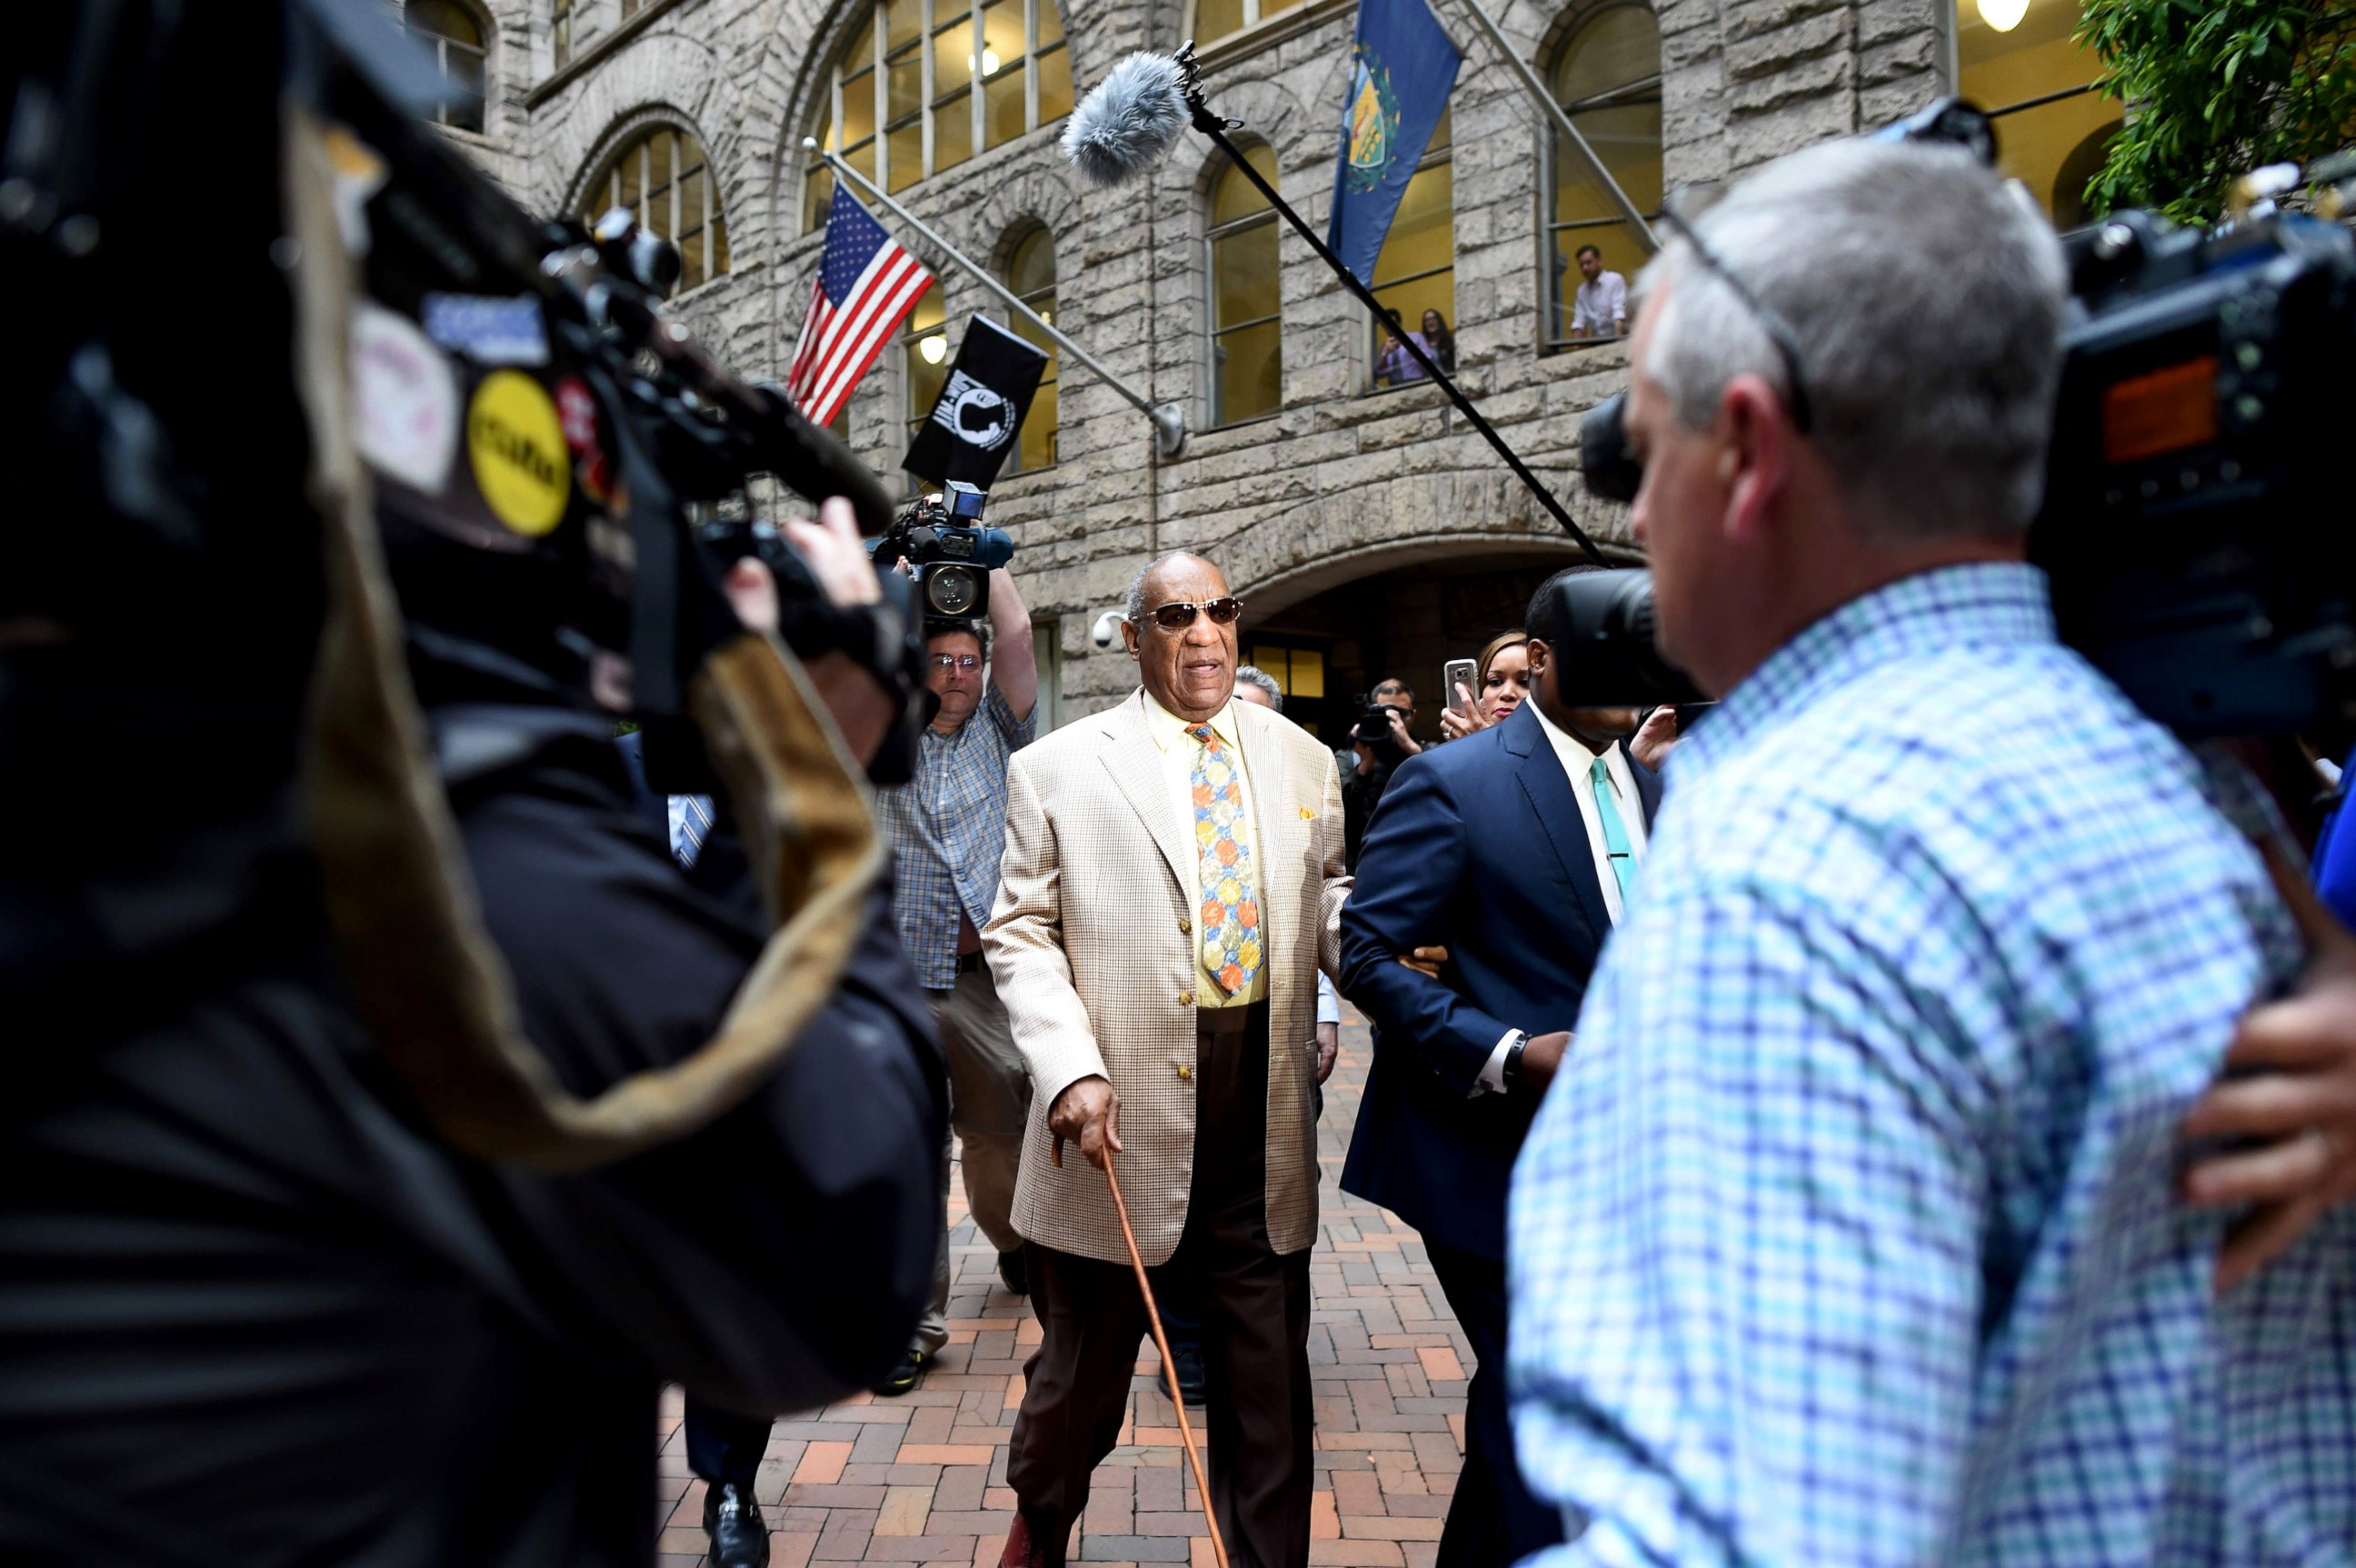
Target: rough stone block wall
{"points": [[1341, 480]]}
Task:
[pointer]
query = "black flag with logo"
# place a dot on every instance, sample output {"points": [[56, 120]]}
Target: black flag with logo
{"points": [[975, 420]]}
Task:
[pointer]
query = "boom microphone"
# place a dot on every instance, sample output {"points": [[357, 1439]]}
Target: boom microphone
{"points": [[1128, 124]]}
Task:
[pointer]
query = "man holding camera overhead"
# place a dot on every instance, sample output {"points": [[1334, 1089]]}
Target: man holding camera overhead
{"points": [[948, 827], [1850, 1231]]}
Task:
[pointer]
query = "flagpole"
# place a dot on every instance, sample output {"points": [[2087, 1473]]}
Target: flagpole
{"points": [[1214, 127], [1561, 117], [1169, 419]]}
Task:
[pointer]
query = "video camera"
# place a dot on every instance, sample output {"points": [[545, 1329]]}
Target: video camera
{"points": [[1609, 657], [942, 537], [2186, 522], [2190, 476]]}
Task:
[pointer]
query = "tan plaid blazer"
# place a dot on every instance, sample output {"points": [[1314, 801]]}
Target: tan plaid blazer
{"points": [[1093, 946]]}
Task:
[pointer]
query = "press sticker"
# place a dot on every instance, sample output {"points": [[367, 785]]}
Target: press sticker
{"points": [[577, 411], [404, 400], [488, 330], [517, 446]]}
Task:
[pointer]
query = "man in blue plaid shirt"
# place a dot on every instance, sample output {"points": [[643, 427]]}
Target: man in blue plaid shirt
{"points": [[947, 830], [1848, 1233]]}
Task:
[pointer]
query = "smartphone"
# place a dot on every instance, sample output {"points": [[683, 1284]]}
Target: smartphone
{"points": [[1456, 672]]}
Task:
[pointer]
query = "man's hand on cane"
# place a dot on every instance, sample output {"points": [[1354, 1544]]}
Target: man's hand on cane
{"points": [[1087, 1113]]}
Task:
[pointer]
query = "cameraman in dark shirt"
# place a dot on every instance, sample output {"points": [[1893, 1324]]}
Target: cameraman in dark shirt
{"points": [[256, 1305], [1379, 743]]}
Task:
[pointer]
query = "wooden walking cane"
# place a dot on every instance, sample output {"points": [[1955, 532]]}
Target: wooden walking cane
{"points": [[1169, 1367]]}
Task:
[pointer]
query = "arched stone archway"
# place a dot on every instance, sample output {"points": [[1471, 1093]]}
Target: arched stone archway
{"points": [[1331, 631], [1273, 597]]}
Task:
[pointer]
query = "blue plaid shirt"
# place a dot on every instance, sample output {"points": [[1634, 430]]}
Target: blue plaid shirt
{"points": [[1847, 1234], [948, 832]]}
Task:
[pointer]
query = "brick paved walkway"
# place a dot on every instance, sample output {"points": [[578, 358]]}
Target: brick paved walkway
{"points": [[922, 1479]]}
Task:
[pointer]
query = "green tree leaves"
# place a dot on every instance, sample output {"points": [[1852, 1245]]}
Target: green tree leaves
{"points": [[2215, 89]]}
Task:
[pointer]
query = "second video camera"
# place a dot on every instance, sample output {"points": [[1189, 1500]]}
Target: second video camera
{"points": [[942, 537]]}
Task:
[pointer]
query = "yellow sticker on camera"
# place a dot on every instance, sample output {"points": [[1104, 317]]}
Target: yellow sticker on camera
{"points": [[517, 446]]}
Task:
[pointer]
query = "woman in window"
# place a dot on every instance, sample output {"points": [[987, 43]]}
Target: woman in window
{"points": [[1438, 341]]}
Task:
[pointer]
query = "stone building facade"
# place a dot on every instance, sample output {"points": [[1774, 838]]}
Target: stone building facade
{"points": [[1368, 528]]}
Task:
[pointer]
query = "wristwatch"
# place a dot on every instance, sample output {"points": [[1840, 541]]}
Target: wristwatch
{"points": [[1510, 1074]]}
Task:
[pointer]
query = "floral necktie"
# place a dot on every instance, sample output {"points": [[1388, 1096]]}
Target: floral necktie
{"points": [[1232, 951]]}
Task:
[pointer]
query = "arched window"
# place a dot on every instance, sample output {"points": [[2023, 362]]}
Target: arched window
{"points": [[925, 349], [1247, 324], [2052, 129], [1031, 273], [662, 176], [1607, 77], [1215, 19], [925, 84], [1416, 270], [455, 38]]}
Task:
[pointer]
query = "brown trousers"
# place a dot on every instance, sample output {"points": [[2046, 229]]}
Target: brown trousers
{"points": [[1255, 1308]]}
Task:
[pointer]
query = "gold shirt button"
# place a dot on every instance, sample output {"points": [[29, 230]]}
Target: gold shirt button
{"points": [[1186, 999], [1185, 1073], [1185, 928]]}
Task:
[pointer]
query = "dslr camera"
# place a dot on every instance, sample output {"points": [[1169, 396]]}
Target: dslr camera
{"points": [[942, 537], [1374, 725]]}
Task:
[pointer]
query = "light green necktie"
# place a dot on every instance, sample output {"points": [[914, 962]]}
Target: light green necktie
{"points": [[1615, 834]]}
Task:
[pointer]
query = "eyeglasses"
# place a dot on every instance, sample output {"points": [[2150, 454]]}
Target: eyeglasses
{"points": [[957, 661], [1178, 613], [1701, 198]]}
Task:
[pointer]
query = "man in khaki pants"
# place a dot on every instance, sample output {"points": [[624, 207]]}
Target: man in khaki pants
{"points": [[946, 830], [1171, 889]]}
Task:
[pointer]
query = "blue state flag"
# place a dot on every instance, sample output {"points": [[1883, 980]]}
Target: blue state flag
{"points": [[1400, 75]]}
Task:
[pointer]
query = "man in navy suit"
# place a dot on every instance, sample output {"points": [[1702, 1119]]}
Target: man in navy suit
{"points": [[1515, 848]]}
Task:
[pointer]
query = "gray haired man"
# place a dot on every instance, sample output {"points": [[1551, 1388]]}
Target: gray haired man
{"points": [[1850, 1231]]}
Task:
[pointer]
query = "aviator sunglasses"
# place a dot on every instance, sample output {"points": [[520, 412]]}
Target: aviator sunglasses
{"points": [[1179, 614]]}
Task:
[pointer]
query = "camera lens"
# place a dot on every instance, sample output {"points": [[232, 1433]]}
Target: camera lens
{"points": [[952, 590]]}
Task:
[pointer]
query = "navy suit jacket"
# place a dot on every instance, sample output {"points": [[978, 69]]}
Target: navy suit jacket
{"points": [[1478, 847]]}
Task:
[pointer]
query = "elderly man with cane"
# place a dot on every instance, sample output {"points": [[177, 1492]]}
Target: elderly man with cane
{"points": [[1171, 886]]}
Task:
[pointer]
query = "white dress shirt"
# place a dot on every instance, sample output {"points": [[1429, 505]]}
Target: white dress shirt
{"points": [[1579, 763], [1600, 305]]}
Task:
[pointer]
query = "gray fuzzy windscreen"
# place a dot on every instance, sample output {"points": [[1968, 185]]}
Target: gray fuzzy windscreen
{"points": [[1129, 121]]}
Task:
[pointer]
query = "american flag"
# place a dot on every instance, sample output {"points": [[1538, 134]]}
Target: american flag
{"points": [[866, 286]]}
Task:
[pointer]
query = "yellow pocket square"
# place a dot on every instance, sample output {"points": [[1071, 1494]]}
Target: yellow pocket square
{"points": [[1307, 815]]}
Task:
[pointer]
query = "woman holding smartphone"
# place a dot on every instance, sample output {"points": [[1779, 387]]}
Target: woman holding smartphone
{"points": [[1502, 683]]}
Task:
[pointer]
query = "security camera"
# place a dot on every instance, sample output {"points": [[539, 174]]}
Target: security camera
{"points": [[1106, 630]]}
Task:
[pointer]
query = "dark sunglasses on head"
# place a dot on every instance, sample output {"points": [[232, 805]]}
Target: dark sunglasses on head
{"points": [[1679, 212], [1178, 613]]}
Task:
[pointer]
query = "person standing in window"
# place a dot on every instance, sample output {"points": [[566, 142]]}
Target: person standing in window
{"points": [[1396, 366], [1438, 341], [1599, 309], [948, 828]]}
